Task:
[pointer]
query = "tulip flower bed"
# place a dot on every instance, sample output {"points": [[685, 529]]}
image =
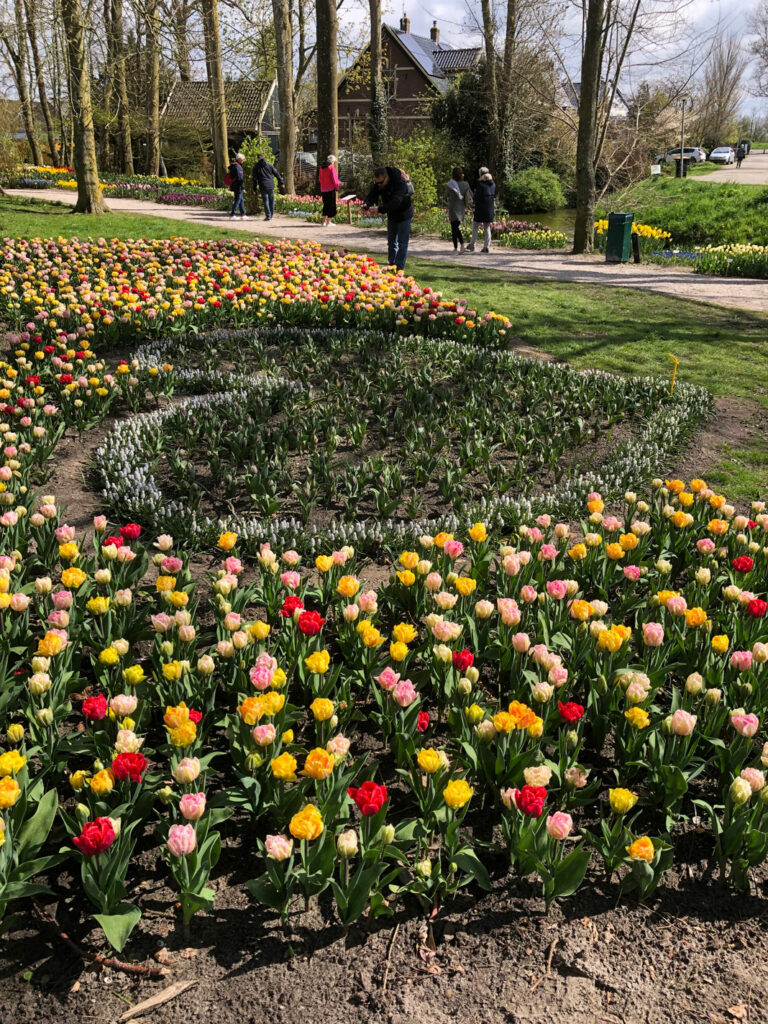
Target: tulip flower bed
{"points": [[531, 702], [324, 441], [109, 292]]}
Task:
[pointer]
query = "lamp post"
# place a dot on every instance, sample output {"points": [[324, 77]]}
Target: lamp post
{"points": [[681, 162]]}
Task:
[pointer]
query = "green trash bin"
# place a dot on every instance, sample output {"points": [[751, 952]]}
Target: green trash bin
{"points": [[618, 245]]}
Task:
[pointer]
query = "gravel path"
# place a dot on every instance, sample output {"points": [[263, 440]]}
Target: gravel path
{"points": [[736, 293]]}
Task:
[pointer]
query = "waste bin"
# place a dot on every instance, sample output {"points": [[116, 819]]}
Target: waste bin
{"points": [[618, 245], [681, 170]]}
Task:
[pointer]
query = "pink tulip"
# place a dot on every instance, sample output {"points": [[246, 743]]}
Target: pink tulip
{"points": [[632, 572], [653, 634], [528, 594], [559, 825], [521, 642], [754, 777], [548, 553], [557, 589], [62, 599], [705, 546], [745, 725], [682, 723], [181, 840], [453, 548], [741, 661], [290, 580], [278, 847], [388, 679], [404, 693], [192, 806]]}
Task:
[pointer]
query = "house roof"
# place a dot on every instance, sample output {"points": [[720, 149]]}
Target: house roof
{"points": [[248, 105], [457, 60], [435, 59], [571, 91]]}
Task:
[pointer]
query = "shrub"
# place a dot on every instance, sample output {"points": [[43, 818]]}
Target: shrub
{"points": [[413, 155], [533, 190]]}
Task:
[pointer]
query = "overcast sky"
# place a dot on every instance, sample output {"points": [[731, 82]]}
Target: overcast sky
{"points": [[452, 19]]}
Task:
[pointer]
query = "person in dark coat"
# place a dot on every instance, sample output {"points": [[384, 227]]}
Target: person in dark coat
{"points": [[264, 175], [237, 187], [392, 194], [740, 154], [485, 191]]}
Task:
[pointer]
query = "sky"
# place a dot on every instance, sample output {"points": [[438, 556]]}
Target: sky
{"points": [[453, 18]]}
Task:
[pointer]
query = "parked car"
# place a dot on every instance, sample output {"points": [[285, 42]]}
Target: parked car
{"points": [[694, 153], [722, 155]]}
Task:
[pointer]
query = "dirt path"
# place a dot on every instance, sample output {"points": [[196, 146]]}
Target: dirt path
{"points": [[753, 171], [736, 293]]}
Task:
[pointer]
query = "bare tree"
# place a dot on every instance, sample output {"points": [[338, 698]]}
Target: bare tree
{"points": [[40, 77], [589, 99], [121, 85], [89, 197], [758, 24], [15, 46], [720, 98]]}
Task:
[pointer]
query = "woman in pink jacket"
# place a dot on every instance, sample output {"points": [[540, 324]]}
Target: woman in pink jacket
{"points": [[329, 183]]}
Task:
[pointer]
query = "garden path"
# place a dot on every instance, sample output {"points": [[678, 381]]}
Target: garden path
{"points": [[736, 293], [754, 171]]}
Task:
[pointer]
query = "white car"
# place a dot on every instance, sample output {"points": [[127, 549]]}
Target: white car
{"points": [[693, 153], [722, 155]]}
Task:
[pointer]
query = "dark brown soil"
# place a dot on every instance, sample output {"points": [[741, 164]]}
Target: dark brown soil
{"points": [[695, 954]]}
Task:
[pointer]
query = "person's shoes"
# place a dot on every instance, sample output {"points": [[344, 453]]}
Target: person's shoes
{"points": [[231, 216], [463, 248], [455, 249], [470, 248], [266, 218], [484, 249], [244, 217]]}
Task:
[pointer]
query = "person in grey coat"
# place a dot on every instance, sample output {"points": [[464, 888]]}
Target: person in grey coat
{"points": [[458, 195]]}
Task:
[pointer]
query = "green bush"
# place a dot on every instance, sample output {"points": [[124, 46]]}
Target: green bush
{"points": [[413, 155], [534, 190]]}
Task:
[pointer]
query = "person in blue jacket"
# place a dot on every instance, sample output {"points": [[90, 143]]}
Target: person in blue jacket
{"points": [[392, 194], [237, 186]]}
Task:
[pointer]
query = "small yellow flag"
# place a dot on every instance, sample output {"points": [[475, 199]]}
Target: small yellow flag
{"points": [[675, 364]]}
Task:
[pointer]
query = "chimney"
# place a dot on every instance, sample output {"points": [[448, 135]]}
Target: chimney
{"points": [[434, 33], [405, 23]]}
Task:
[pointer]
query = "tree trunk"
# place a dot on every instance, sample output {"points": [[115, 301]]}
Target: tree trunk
{"points": [[89, 197], [20, 67], [121, 85], [589, 101], [216, 88], [327, 80], [180, 12], [109, 91], [377, 118], [491, 86], [153, 88], [284, 51], [39, 79]]}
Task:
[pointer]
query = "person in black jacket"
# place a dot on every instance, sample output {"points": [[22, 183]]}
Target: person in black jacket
{"points": [[237, 187], [485, 191], [264, 175], [392, 194]]}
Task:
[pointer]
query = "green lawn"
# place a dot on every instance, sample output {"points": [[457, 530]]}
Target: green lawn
{"points": [[620, 330]]}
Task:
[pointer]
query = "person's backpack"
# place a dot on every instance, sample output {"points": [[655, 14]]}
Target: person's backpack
{"points": [[408, 182], [229, 179]]}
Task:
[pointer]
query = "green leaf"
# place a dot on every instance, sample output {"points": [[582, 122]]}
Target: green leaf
{"points": [[263, 892], [34, 831], [117, 927], [468, 861], [570, 872]]}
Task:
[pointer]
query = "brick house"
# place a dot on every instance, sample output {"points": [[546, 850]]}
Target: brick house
{"points": [[416, 70]]}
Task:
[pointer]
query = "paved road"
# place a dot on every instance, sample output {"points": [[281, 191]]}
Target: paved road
{"points": [[753, 171], [736, 293]]}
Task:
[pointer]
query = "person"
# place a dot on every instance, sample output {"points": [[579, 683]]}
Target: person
{"points": [[264, 175], [485, 190], [740, 154], [457, 195], [392, 193], [329, 183], [237, 186]]}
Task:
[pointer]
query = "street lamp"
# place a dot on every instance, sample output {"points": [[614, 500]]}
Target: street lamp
{"points": [[681, 162]]}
